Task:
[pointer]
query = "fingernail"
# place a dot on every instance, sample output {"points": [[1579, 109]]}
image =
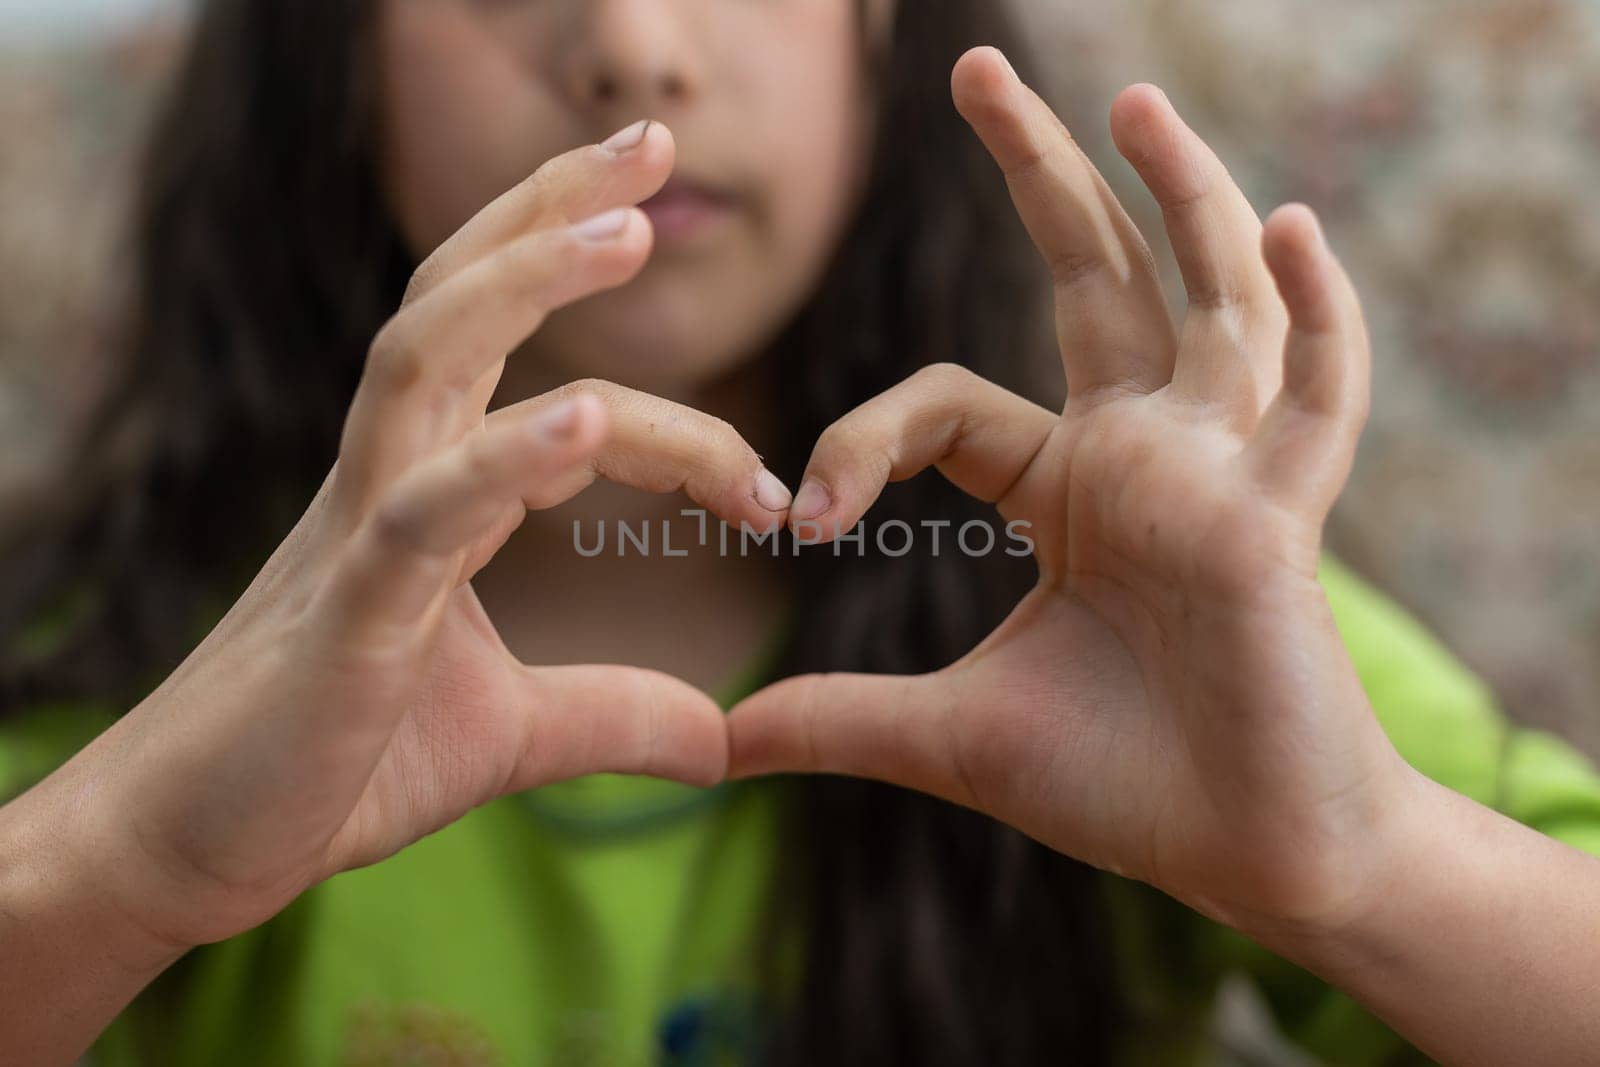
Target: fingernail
{"points": [[811, 501], [771, 493], [603, 226], [627, 138], [556, 421]]}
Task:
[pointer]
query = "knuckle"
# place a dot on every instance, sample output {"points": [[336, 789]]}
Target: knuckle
{"points": [[722, 436], [717, 461], [1071, 266], [1032, 161], [1187, 193], [845, 437], [422, 279], [712, 483], [393, 527], [609, 392], [945, 376], [479, 460], [1218, 296], [393, 362], [536, 185]]}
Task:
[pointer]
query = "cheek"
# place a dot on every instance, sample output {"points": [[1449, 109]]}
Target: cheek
{"points": [[816, 171], [456, 114], [805, 118], [783, 109], [812, 129]]}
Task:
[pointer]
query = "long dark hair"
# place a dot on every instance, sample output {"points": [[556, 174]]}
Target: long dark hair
{"points": [[264, 265]]}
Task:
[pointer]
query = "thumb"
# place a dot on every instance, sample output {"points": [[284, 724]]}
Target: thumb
{"points": [[598, 718], [901, 729]]}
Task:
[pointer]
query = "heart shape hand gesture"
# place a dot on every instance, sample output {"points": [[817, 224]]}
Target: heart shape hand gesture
{"points": [[1172, 700], [357, 696]]}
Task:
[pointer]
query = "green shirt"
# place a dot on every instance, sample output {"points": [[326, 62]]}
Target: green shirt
{"points": [[613, 920]]}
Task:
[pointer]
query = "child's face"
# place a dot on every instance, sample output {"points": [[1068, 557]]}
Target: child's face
{"points": [[767, 102]]}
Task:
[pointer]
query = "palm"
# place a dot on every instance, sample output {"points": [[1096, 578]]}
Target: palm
{"points": [[356, 696], [288, 807], [457, 744], [1152, 548], [1131, 710], [481, 726]]}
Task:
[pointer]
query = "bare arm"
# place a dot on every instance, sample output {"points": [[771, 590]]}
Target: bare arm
{"points": [[1173, 701], [1482, 944], [72, 960], [357, 696]]}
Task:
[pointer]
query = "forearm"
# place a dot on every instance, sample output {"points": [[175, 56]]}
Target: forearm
{"points": [[69, 960], [1483, 946]]}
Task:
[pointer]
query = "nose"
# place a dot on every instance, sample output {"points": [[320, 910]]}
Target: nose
{"points": [[627, 58]]}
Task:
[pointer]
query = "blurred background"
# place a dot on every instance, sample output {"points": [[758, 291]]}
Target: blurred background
{"points": [[1453, 149]]}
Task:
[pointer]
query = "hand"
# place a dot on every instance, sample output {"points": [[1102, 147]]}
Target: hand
{"points": [[357, 696], [1172, 701]]}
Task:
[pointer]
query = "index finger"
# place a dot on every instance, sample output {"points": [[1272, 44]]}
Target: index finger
{"points": [[980, 436], [407, 551], [625, 168]]}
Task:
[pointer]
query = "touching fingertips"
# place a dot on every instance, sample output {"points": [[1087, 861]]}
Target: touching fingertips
{"points": [[812, 500], [771, 493]]}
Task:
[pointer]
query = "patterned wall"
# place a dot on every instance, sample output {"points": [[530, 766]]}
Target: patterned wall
{"points": [[1453, 149]]}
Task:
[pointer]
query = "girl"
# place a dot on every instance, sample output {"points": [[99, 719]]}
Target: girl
{"points": [[830, 226]]}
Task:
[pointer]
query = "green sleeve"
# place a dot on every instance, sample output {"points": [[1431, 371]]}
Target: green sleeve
{"points": [[1447, 725]]}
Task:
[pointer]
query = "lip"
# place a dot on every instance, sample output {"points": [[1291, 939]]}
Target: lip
{"points": [[685, 208]]}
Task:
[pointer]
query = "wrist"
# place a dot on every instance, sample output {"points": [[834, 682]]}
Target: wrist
{"points": [[72, 960], [1475, 943], [1398, 869]]}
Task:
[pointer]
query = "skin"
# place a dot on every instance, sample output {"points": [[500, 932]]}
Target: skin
{"points": [[1176, 504], [764, 100], [1172, 702]]}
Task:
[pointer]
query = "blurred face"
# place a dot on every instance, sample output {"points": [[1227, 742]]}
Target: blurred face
{"points": [[768, 105]]}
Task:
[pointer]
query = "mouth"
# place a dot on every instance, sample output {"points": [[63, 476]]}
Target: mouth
{"points": [[685, 208]]}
